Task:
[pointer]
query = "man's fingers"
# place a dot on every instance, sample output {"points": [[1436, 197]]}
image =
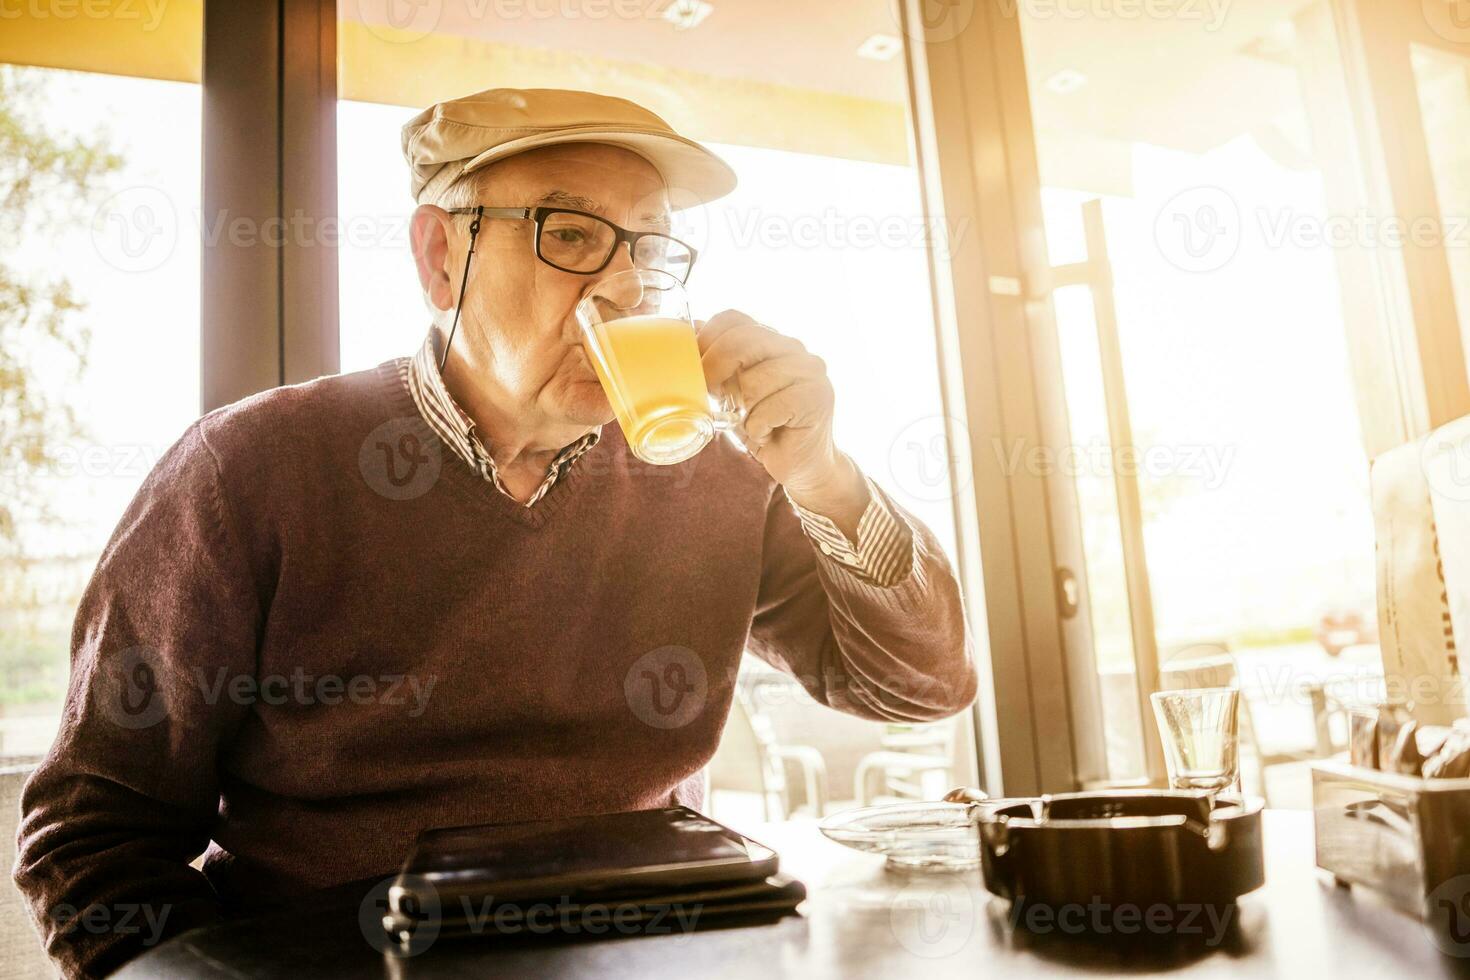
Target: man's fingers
{"points": [[707, 331], [742, 346], [772, 375], [778, 381], [800, 405]]}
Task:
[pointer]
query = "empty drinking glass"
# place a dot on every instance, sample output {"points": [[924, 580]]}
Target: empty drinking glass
{"points": [[1200, 734]]}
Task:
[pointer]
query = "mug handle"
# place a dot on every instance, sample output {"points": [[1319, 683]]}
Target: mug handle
{"points": [[728, 415]]}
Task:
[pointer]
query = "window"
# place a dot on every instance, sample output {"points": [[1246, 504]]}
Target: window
{"points": [[99, 323], [1250, 462]]}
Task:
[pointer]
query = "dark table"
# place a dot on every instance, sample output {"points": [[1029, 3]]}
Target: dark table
{"points": [[862, 920]]}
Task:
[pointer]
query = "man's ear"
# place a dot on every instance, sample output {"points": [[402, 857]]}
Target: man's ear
{"points": [[429, 238]]}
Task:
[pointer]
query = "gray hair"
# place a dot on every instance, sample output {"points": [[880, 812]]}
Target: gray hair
{"points": [[465, 192]]}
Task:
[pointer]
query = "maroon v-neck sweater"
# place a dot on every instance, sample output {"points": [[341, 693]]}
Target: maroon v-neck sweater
{"points": [[316, 632]]}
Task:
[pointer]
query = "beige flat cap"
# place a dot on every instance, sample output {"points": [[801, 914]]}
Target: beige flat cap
{"points": [[450, 139]]}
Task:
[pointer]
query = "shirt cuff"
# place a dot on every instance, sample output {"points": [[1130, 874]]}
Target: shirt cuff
{"points": [[884, 552]]}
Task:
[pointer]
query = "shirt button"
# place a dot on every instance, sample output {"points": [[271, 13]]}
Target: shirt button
{"points": [[826, 549]]}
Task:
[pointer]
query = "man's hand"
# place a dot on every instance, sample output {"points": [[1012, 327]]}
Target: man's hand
{"points": [[788, 422]]}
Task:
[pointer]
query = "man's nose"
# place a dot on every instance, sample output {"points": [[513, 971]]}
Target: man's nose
{"points": [[622, 258], [621, 292]]}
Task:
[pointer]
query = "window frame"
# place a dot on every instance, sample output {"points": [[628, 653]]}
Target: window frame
{"points": [[268, 316]]}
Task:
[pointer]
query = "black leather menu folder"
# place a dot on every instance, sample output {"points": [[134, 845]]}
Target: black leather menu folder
{"points": [[646, 872]]}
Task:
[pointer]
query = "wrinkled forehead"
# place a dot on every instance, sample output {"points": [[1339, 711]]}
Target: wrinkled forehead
{"points": [[609, 181]]}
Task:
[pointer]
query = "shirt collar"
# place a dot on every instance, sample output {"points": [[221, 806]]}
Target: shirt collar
{"points": [[443, 414]]}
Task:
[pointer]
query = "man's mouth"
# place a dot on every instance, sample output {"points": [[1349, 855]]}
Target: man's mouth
{"points": [[583, 362]]}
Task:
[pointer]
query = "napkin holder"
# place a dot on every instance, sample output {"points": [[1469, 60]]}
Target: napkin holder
{"points": [[1405, 837]]}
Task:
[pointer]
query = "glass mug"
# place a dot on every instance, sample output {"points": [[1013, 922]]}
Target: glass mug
{"points": [[639, 336], [1200, 732]]}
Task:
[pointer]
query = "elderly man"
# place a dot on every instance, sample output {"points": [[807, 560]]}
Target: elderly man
{"points": [[443, 592]]}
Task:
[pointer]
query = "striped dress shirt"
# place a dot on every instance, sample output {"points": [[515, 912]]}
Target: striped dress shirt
{"points": [[881, 556]]}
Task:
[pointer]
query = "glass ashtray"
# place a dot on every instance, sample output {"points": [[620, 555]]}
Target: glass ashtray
{"points": [[912, 836]]}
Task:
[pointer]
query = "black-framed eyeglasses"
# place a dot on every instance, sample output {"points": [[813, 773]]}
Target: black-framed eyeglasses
{"points": [[583, 243]]}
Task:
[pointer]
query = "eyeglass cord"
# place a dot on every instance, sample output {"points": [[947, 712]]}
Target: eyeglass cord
{"points": [[474, 230]]}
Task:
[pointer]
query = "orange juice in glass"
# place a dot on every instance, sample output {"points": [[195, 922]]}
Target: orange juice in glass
{"points": [[638, 334]]}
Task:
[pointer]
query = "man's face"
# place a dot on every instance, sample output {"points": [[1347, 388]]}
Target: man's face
{"points": [[519, 333]]}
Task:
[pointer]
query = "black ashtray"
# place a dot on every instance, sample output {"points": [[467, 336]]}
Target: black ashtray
{"points": [[1136, 847]]}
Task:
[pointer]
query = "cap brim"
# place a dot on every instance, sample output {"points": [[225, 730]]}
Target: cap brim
{"points": [[692, 173]]}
